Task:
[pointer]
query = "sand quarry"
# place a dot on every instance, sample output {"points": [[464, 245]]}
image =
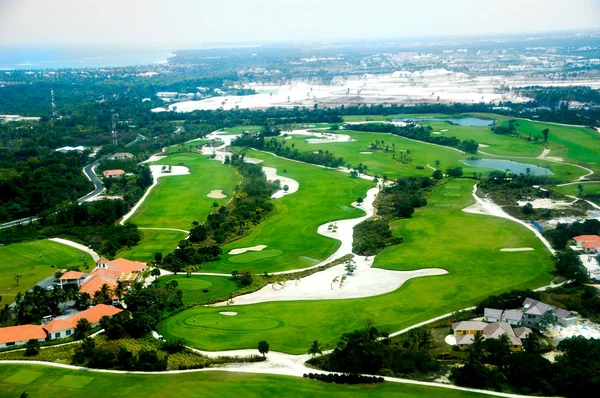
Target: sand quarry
{"points": [[430, 86]]}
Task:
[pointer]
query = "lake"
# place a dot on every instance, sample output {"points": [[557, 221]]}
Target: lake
{"points": [[514, 167], [461, 121]]}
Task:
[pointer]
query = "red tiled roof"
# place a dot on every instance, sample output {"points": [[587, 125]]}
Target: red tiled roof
{"points": [[93, 283], [12, 334], [591, 245], [93, 315], [70, 275], [587, 238], [111, 274], [113, 173], [127, 266]]}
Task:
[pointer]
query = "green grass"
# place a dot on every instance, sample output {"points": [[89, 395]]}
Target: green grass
{"points": [[72, 381], [186, 147], [291, 234], [24, 376], [34, 260], [204, 384], [439, 235], [193, 286], [153, 241], [240, 130], [178, 200], [589, 188]]}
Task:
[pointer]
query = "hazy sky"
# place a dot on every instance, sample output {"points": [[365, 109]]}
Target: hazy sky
{"points": [[189, 23]]}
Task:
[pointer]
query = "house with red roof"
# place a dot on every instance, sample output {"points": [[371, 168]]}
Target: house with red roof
{"points": [[71, 278], [61, 328], [20, 335], [583, 239], [113, 173]]}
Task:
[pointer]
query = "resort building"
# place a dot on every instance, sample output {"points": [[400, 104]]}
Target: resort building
{"points": [[121, 156], [19, 335], [61, 328], [465, 331], [587, 243], [113, 173], [533, 311], [591, 247], [512, 317], [71, 278], [492, 315]]}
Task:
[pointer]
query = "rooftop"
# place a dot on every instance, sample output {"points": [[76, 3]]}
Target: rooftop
{"points": [[118, 172], [70, 275], [13, 334], [93, 315]]}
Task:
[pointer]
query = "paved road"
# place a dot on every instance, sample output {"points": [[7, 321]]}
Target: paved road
{"points": [[98, 188]]}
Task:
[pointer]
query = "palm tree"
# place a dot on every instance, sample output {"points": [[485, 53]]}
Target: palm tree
{"points": [[119, 289], [315, 349], [335, 280]]}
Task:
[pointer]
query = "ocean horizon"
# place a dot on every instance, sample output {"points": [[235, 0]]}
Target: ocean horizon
{"points": [[25, 58]]}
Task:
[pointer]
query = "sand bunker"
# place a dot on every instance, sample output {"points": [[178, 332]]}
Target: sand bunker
{"points": [[247, 249], [517, 249], [436, 132], [366, 153], [484, 146], [228, 313], [443, 131], [216, 194], [271, 174]]}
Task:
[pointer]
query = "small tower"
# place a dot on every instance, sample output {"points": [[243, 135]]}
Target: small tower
{"points": [[53, 103], [114, 127]]}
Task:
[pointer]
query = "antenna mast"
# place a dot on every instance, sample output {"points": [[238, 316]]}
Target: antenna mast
{"points": [[53, 103], [114, 127]]}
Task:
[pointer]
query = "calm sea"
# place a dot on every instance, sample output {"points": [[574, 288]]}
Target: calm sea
{"points": [[56, 58]]}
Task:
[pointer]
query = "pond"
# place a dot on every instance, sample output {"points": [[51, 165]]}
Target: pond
{"points": [[461, 121], [514, 167]]}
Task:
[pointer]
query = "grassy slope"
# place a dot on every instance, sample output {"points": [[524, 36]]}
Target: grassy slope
{"points": [[324, 195], [205, 384], [178, 200], [439, 235], [588, 189], [193, 286], [153, 241], [25, 259]]}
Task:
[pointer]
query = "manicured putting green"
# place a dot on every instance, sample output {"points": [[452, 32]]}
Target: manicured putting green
{"points": [[35, 261], [239, 323], [202, 384], [200, 288], [24, 377], [72, 381], [249, 257]]}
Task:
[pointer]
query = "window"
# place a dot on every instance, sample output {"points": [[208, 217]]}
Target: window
{"points": [[69, 332], [57, 335]]}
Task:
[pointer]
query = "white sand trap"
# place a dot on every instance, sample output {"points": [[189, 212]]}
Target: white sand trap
{"points": [[252, 160], [517, 249], [436, 132], [287, 138], [228, 313], [443, 131], [450, 339], [256, 248], [216, 194], [366, 153], [271, 174], [484, 146], [154, 158]]}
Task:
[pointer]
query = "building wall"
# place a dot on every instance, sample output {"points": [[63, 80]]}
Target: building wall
{"points": [[61, 334], [23, 342]]}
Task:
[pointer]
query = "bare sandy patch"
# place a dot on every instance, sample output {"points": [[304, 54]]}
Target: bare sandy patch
{"points": [[292, 185], [484, 146], [517, 249], [443, 131], [228, 313], [216, 194], [436, 132], [366, 153], [256, 248], [547, 204]]}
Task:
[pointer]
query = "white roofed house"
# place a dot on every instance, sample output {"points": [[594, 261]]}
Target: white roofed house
{"points": [[533, 311], [512, 317]]}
